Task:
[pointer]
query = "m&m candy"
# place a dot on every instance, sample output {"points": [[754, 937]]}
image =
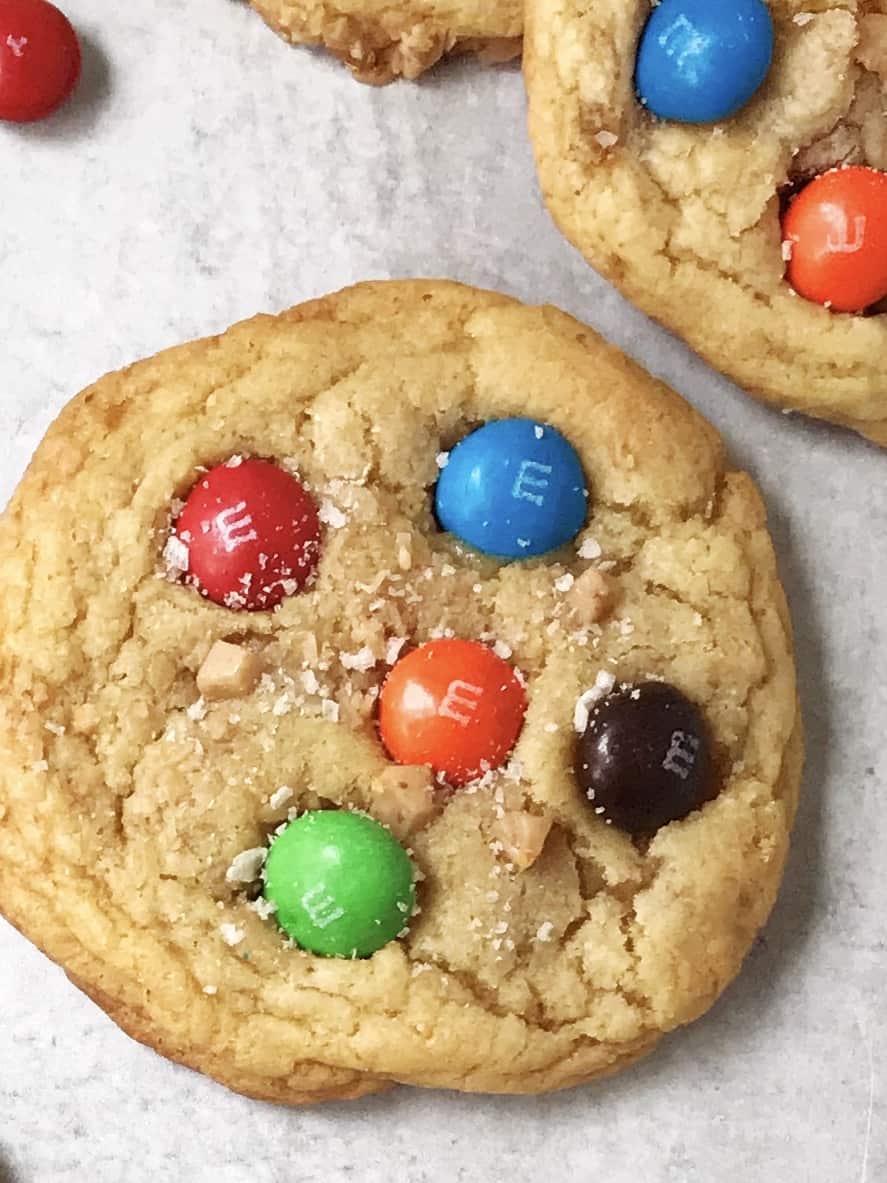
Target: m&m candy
{"points": [[514, 488], [452, 704], [341, 883], [643, 759], [252, 535], [837, 231], [700, 61], [39, 59]]}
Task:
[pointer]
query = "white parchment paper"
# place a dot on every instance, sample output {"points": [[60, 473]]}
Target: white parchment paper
{"points": [[207, 172]]}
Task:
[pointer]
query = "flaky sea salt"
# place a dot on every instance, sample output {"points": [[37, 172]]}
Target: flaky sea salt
{"points": [[364, 659], [231, 934], [246, 866], [331, 515], [329, 710], [590, 549], [280, 796], [544, 931], [176, 555], [197, 710], [513, 770], [502, 650], [564, 582], [263, 908], [393, 647], [603, 684], [606, 139]]}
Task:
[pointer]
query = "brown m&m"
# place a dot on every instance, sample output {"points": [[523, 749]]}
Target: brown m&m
{"points": [[643, 759]]}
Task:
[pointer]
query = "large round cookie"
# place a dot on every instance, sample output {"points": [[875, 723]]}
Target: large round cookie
{"points": [[126, 799], [379, 43], [686, 219]]}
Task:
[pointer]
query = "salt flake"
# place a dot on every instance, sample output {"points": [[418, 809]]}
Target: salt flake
{"points": [[393, 648], [176, 555], [603, 684], [280, 796], [246, 866], [331, 515], [231, 934], [364, 659]]}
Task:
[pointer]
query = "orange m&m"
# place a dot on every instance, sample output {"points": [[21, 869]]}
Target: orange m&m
{"points": [[452, 704], [837, 228]]}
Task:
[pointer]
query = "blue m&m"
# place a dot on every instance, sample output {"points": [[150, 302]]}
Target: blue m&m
{"points": [[700, 61], [512, 489]]}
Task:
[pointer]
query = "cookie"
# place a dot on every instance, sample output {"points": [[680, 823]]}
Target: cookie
{"points": [[399, 689], [379, 44], [685, 210]]}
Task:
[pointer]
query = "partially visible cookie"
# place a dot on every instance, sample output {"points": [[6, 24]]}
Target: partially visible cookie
{"points": [[684, 211], [399, 689], [379, 42]]}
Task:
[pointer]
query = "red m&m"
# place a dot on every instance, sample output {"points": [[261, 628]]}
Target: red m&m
{"points": [[837, 231], [39, 59], [452, 704], [252, 535]]}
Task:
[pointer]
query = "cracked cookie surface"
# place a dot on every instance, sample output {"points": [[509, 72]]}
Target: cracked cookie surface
{"points": [[379, 42], [686, 219], [125, 797]]}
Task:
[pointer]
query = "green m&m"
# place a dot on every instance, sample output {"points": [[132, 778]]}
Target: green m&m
{"points": [[342, 885]]}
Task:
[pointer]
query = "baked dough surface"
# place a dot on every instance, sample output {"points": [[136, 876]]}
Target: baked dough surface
{"points": [[379, 42]]}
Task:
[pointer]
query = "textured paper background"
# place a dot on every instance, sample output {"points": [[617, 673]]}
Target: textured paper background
{"points": [[207, 172]]}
